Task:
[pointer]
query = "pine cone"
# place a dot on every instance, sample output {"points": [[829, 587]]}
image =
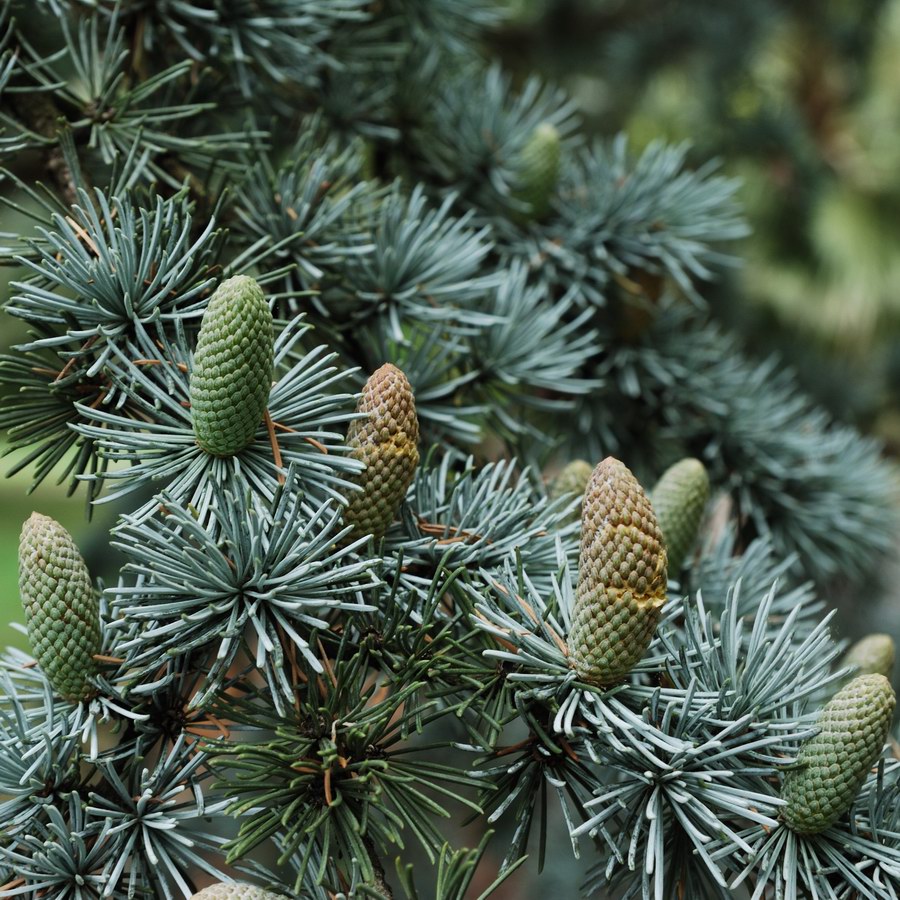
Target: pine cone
{"points": [[235, 891], [233, 367], [621, 577], [572, 479], [538, 167], [679, 499], [833, 765], [386, 440], [872, 655], [61, 608]]}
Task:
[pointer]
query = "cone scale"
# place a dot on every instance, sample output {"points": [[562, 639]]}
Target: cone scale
{"points": [[621, 577]]}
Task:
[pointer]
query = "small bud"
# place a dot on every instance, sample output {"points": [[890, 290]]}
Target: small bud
{"points": [[832, 766], [872, 655], [62, 611], [386, 439], [679, 498], [233, 367], [621, 577], [538, 168]]}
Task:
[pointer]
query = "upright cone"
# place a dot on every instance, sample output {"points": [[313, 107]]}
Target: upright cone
{"points": [[386, 440], [572, 479], [621, 577], [62, 611], [872, 655], [832, 766], [539, 169], [233, 367], [679, 498]]}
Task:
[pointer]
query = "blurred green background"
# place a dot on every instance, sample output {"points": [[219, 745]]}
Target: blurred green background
{"points": [[802, 102]]}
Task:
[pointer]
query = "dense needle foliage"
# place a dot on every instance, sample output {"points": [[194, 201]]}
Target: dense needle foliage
{"points": [[288, 695]]}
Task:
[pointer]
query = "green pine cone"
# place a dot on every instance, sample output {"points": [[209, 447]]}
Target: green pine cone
{"points": [[538, 168], [833, 765], [386, 440], [679, 498], [621, 577], [572, 479], [236, 891], [61, 608], [872, 655], [233, 367]]}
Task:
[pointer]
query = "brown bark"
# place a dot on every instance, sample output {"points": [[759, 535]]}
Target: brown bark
{"points": [[40, 114]]}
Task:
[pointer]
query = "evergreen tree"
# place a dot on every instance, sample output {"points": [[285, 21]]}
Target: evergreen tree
{"points": [[323, 299]]}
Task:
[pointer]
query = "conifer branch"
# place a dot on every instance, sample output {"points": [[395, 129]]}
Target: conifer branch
{"points": [[343, 329]]}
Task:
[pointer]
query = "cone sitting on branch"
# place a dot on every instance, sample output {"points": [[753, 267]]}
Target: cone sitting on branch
{"points": [[832, 766], [539, 163], [679, 499], [386, 440], [872, 655], [573, 478], [61, 607], [233, 367], [621, 577]]}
